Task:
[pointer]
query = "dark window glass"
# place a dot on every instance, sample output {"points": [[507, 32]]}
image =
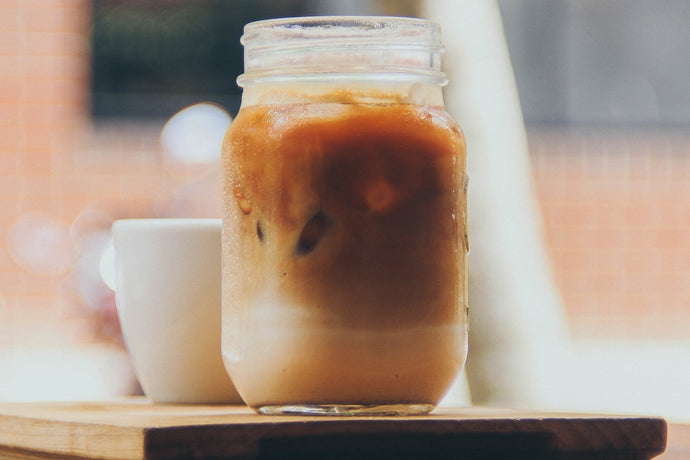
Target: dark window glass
{"points": [[153, 57]]}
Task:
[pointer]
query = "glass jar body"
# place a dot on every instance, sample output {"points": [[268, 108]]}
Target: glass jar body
{"points": [[344, 247]]}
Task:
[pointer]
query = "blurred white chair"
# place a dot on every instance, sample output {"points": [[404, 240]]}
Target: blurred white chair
{"points": [[518, 336]]}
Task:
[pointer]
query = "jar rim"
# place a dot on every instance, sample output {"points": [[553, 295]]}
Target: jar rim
{"points": [[417, 29], [342, 44]]}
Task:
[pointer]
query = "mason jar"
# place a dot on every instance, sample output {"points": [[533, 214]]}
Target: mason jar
{"points": [[345, 223]]}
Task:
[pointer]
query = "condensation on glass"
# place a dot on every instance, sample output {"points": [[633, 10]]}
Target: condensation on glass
{"points": [[345, 223]]}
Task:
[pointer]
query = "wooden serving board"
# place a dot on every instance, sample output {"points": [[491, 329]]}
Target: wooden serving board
{"points": [[137, 429]]}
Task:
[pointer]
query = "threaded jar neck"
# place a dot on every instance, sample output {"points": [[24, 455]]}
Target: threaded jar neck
{"points": [[342, 47]]}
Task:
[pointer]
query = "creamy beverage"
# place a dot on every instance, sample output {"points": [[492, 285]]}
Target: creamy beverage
{"points": [[345, 220], [345, 234]]}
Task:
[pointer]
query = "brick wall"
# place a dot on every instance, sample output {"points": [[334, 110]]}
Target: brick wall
{"points": [[62, 179], [616, 205], [43, 73]]}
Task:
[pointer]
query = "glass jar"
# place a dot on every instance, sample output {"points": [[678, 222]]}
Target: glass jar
{"points": [[344, 233]]}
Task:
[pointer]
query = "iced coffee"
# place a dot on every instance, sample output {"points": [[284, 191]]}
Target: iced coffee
{"points": [[344, 251]]}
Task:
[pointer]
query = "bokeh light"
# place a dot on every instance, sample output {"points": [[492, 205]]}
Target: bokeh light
{"points": [[41, 244], [90, 220], [88, 283], [106, 265], [194, 135]]}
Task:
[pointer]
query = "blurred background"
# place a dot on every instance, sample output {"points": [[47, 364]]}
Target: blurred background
{"points": [[92, 129]]}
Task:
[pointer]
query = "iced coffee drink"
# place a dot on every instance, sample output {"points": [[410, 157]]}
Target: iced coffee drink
{"points": [[344, 250]]}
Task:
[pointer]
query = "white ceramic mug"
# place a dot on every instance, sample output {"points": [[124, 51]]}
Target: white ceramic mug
{"points": [[168, 290]]}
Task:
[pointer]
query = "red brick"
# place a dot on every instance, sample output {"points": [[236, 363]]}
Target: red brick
{"points": [[570, 239], [8, 211], [9, 116], [614, 261], [674, 191], [6, 262], [70, 208], [576, 283], [642, 289], [550, 189], [612, 190], [678, 308], [611, 215], [582, 261], [59, 18], [34, 164], [639, 186], [21, 141], [605, 238], [9, 20], [676, 284], [89, 187], [21, 283], [674, 238], [10, 43], [642, 215], [52, 93], [608, 284], [555, 237], [675, 215], [8, 149], [27, 186], [42, 119], [9, 95], [579, 215], [51, 67], [53, 44], [51, 4], [675, 260], [680, 162], [657, 285], [42, 206], [660, 238], [641, 261]]}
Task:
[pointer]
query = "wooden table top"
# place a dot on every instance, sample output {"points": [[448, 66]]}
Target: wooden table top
{"points": [[136, 429]]}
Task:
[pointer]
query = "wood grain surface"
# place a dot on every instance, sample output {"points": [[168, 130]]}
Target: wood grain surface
{"points": [[137, 429]]}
